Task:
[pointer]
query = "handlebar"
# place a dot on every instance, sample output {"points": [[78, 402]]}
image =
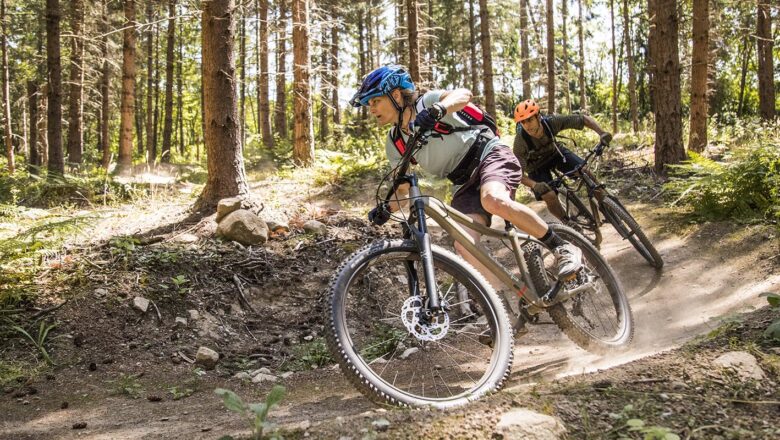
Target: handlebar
{"points": [[597, 151]]}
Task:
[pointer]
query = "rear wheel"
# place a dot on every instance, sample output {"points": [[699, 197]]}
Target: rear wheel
{"points": [[628, 228], [597, 317], [392, 352]]}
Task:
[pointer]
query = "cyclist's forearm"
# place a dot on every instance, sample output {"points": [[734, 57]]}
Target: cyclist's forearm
{"points": [[455, 100], [399, 200], [527, 181], [593, 125]]}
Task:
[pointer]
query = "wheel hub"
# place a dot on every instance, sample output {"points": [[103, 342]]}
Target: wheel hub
{"points": [[432, 328]]}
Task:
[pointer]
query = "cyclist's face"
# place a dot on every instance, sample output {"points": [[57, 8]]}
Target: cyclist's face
{"points": [[532, 126], [382, 109]]}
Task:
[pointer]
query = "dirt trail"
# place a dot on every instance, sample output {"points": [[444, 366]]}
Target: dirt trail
{"points": [[705, 277]]}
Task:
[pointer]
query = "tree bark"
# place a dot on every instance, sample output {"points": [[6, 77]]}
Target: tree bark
{"points": [[303, 138], [765, 46], [550, 58], [151, 148], [242, 78], [525, 60], [743, 73], [668, 112], [226, 177], [403, 33], [34, 161], [75, 106], [325, 80], [7, 128], [54, 72], [699, 64], [631, 70], [180, 91], [165, 154], [487, 58], [105, 81], [564, 18], [280, 106], [581, 35], [334, 66], [473, 67], [414, 42], [263, 106], [614, 67]]}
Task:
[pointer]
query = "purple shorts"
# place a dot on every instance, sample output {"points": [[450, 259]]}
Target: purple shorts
{"points": [[500, 165]]}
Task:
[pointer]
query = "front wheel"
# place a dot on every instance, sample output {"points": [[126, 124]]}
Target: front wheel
{"points": [[580, 217], [627, 227], [597, 317], [393, 351]]}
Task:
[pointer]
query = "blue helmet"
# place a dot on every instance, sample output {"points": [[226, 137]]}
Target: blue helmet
{"points": [[381, 82]]}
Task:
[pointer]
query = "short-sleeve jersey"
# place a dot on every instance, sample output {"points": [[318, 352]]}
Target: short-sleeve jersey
{"points": [[443, 152], [532, 156]]}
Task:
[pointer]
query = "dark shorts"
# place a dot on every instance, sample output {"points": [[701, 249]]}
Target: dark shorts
{"points": [[564, 164], [500, 165]]}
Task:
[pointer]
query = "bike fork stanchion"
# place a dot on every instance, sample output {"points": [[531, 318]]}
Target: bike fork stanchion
{"points": [[423, 239]]}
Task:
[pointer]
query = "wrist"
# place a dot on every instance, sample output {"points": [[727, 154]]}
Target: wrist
{"points": [[438, 110]]}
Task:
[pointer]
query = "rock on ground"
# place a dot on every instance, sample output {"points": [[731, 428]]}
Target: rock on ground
{"points": [[243, 227], [524, 424], [743, 363], [315, 227], [226, 206], [207, 357]]}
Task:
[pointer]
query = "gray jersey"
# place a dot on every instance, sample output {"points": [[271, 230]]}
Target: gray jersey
{"points": [[443, 152]]}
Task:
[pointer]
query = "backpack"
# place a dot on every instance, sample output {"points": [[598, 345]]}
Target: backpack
{"points": [[472, 115]]}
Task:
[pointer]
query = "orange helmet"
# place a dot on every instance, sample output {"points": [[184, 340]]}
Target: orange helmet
{"points": [[526, 109]]}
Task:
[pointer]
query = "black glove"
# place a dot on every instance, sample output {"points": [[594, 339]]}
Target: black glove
{"points": [[541, 188], [379, 215], [428, 117], [605, 138]]}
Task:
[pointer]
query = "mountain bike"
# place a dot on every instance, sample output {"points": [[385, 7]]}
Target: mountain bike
{"points": [[413, 324], [586, 218]]}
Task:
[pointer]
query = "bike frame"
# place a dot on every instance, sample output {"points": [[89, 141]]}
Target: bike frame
{"points": [[453, 222]]}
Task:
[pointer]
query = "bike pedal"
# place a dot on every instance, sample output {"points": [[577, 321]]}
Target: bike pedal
{"points": [[571, 277]]}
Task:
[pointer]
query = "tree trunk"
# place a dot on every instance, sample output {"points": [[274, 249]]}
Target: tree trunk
{"points": [[9, 146], [34, 162], [226, 176], [403, 33], [614, 67], [180, 90], [280, 106], [765, 46], [631, 71], [581, 35], [325, 80], [334, 66], [699, 63], [242, 79], [303, 138], [550, 58], [525, 57], [151, 148], [105, 81], [564, 18], [75, 106], [263, 106], [54, 73], [487, 57], [165, 154], [747, 48], [474, 74], [414, 42], [668, 112]]}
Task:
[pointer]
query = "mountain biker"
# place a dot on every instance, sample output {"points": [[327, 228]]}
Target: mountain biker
{"points": [[539, 152], [486, 171]]}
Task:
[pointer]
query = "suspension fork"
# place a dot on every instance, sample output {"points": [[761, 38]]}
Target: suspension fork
{"points": [[423, 240]]}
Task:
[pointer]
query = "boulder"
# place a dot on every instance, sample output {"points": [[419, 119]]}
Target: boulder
{"points": [[742, 363], [207, 357], [262, 377], [226, 206], [526, 424], [244, 227], [315, 227]]}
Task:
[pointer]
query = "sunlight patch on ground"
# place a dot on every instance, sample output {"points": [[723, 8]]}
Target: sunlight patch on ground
{"points": [[150, 178]]}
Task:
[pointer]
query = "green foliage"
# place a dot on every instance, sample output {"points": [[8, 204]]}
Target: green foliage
{"points": [[178, 393], [313, 354], [385, 341], [93, 187], [745, 188], [128, 385], [255, 413], [39, 340], [633, 424], [773, 331]]}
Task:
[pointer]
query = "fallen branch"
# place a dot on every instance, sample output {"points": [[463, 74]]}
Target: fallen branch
{"points": [[184, 356], [159, 316], [40, 313], [241, 296]]}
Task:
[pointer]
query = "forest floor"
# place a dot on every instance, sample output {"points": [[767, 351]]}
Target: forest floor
{"points": [[121, 374]]}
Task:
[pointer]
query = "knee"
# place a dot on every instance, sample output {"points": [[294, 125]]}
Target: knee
{"points": [[494, 204]]}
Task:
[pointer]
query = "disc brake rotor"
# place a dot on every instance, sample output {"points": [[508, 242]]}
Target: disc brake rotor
{"points": [[434, 330]]}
